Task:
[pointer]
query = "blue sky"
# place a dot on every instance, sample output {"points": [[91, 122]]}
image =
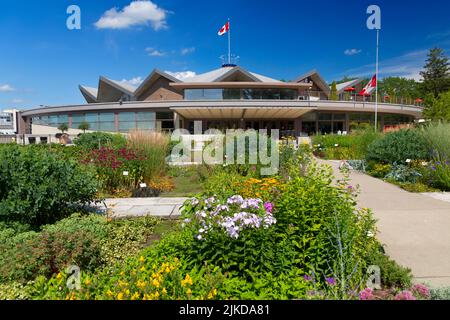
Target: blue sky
{"points": [[42, 62]]}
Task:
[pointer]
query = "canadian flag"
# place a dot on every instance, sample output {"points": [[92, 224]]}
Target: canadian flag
{"points": [[368, 89], [224, 29]]}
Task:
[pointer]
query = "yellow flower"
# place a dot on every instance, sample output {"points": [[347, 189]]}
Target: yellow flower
{"points": [[164, 291], [135, 296], [156, 295], [167, 270], [109, 293], [87, 282], [59, 276], [140, 284], [142, 269], [155, 283], [215, 292], [176, 260], [189, 291], [141, 259], [120, 296]]}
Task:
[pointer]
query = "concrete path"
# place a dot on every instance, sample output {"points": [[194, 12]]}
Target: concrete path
{"points": [[138, 207], [414, 227]]}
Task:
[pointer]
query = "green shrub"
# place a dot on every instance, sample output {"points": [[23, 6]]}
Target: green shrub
{"points": [[89, 241], [96, 140], [397, 147], [392, 274], [403, 173], [440, 294], [323, 224], [349, 147], [37, 188], [438, 136]]}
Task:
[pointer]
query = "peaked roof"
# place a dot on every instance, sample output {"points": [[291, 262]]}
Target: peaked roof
{"points": [[89, 93], [342, 86], [156, 74], [317, 78], [223, 73], [124, 87]]}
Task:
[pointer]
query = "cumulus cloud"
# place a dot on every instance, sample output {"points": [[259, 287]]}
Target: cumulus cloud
{"points": [[134, 82], [182, 75], [137, 13], [152, 52], [186, 51], [6, 88], [352, 52]]}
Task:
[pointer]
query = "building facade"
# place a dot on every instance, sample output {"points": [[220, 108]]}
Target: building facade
{"points": [[225, 98]]}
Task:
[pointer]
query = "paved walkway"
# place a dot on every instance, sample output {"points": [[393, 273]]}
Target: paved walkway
{"points": [[414, 227], [168, 208]]}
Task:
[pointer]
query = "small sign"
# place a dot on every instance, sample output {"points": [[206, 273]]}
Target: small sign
{"points": [[143, 185], [126, 173]]}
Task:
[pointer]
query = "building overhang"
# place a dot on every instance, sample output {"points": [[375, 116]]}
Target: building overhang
{"points": [[240, 85], [210, 113]]}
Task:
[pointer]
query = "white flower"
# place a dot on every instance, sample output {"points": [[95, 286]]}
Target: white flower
{"points": [[424, 164], [408, 160], [199, 237], [370, 234], [336, 145]]}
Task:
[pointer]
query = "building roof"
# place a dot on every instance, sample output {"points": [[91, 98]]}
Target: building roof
{"points": [[89, 93], [317, 78], [342, 86], [154, 75], [223, 73]]}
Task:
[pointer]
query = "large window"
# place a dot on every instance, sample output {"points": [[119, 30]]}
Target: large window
{"points": [[52, 121], [238, 94]]}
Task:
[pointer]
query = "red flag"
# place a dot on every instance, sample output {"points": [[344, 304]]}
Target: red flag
{"points": [[368, 89], [224, 29]]}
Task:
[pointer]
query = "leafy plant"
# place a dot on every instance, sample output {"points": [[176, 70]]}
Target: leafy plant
{"points": [[37, 188], [398, 147], [96, 140]]}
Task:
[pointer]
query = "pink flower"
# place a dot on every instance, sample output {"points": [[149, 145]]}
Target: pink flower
{"points": [[405, 295], [268, 206], [421, 290], [366, 294]]}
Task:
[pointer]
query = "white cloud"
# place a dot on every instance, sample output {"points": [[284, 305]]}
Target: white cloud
{"points": [[182, 75], [352, 52], [407, 65], [186, 51], [16, 101], [152, 52], [6, 88], [137, 13], [135, 82]]}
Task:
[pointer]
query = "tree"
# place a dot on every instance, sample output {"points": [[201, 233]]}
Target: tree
{"points": [[396, 87], [333, 93], [84, 126], [63, 127], [436, 74], [437, 108]]}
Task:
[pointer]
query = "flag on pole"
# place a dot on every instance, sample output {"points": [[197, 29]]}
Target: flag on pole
{"points": [[224, 29], [368, 89]]}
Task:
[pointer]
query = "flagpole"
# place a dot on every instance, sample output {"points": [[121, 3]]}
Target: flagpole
{"points": [[229, 42], [376, 87]]}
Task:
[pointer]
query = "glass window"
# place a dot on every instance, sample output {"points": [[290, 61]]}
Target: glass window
{"points": [[325, 116], [91, 117], [52, 120], [125, 126], [232, 94], [193, 94], [146, 116], [312, 116], [106, 117], [127, 116], [77, 118], [107, 126], [63, 119], [339, 116], [213, 94], [146, 125], [164, 115], [288, 94]]}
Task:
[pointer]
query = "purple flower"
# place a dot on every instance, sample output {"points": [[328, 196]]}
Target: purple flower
{"points": [[330, 281], [268, 206], [421, 290], [366, 294], [307, 278], [405, 295]]}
